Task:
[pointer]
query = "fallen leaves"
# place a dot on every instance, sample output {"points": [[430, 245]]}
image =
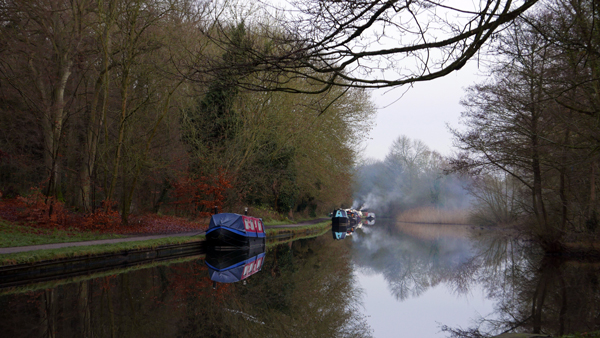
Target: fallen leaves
{"points": [[30, 211], [194, 197]]}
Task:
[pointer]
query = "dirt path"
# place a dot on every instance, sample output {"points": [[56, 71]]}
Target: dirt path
{"points": [[132, 239]]}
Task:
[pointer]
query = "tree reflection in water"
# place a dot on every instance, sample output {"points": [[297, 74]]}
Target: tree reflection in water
{"points": [[305, 288], [533, 293]]}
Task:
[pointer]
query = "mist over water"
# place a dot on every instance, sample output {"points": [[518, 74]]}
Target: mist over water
{"points": [[411, 176], [413, 259], [412, 276], [438, 280]]}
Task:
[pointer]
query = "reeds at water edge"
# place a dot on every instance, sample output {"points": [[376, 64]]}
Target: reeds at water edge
{"points": [[432, 215]]}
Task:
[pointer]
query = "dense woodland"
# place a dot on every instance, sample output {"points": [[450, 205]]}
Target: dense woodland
{"points": [[136, 106], [175, 106]]}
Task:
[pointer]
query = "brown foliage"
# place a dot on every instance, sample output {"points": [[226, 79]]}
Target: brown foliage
{"points": [[34, 210], [197, 197]]}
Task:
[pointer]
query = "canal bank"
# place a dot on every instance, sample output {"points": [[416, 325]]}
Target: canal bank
{"points": [[59, 260], [137, 242]]}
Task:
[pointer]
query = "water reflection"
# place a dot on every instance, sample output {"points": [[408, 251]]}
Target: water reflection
{"points": [[538, 294], [304, 289], [310, 288], [341, 231], [412, 258], [530, 293], [230, 266], [338, 231]]}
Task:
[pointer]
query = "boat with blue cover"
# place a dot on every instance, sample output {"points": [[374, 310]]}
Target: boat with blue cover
{"points": [[228, 231], [339, 218], [339, 224]]}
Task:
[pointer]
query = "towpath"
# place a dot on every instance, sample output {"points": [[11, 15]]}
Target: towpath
{"points": [[133, 239]]}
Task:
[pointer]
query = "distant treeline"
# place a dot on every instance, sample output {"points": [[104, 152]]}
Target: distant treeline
{"points": [[411, 176], [136, 104]]}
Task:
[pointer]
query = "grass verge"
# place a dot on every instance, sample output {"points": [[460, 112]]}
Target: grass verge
{"points": [[287, 221], [296, 237], [296, 229], [52, 254], [12, 235], [595, 334]]}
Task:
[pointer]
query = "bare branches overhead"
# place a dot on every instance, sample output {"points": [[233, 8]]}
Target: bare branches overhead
{"points": [[376, 44]]}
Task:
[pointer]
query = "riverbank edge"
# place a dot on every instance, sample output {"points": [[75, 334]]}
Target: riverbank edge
{"points": [[128, 245]]}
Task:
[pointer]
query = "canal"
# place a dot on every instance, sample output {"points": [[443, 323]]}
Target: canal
{"points": [[387, 279]]}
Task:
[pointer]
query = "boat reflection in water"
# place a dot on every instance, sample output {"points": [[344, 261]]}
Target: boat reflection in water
{"points": [[337, 234], [230, 266], [369, 218], [342, 225]]}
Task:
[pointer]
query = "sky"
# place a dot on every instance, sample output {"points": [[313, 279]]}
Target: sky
{"points": [[422, 113]]}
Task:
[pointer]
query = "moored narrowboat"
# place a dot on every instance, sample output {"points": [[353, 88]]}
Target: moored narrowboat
{"points": [[354, 216], [340, 218], [228, 231], [339, 224]]}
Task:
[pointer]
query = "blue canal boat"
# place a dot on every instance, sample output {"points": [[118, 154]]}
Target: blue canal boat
{"points": [[339, 218], [228, 231], [339, 224]]}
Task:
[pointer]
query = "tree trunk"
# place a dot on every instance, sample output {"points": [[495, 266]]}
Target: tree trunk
{"points": [[53, 119], [538, 202], [96, 119], [592, 206], [122, 122], [563, 177]]}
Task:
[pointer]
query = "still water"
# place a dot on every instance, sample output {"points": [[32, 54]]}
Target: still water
{"points": [[385, 280]]}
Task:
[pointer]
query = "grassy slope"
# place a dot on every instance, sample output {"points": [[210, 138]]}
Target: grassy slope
{"points": [[12, 235]]}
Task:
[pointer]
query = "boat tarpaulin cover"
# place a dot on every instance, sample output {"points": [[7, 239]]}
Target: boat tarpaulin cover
{"points": [[237, 272], [251, 226], [339, 235]]}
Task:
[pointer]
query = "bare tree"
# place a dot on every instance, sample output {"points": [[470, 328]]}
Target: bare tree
{"points": [[530, 122], [371, 43], [43, 41]]}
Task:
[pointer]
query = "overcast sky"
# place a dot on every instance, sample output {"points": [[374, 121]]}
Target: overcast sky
{"points": [[422, 113]]}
